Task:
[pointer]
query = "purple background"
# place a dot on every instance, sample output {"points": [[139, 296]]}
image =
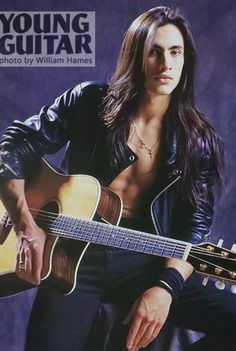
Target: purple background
{"points": [[24, 90]]}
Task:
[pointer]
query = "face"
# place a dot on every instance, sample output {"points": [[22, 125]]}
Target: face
{"points": [[165, 61]]}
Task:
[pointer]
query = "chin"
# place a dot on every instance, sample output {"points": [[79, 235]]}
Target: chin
{"points": [[159, 90], [163, 91]]}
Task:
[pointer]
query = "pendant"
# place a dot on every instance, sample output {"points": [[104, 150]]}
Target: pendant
{"points": [[141, 144]]}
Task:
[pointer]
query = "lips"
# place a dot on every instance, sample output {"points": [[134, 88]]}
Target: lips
{"points": [[163, 79], [164, 76]]}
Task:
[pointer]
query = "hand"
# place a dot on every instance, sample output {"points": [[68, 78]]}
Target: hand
{"points": [[148, 315], [29, 260]]}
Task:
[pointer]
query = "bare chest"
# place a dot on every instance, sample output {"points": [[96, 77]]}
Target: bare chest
{"points": [[135, 183]]}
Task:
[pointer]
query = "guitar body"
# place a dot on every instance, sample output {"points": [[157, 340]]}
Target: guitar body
{"points": [[77, 196]]}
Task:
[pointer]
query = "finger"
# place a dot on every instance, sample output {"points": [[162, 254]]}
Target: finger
{"points": [[28, 260], [18, 244], [36, 267], [29, 267], [134, 328], [157, 330], [150, 334], [140, 334], [19, 239]]}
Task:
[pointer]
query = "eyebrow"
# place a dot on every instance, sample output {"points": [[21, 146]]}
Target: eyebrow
{"points": [[155, 46]]}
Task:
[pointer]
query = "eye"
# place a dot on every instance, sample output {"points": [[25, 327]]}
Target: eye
{"points": [[176, 52], [155, 52]]}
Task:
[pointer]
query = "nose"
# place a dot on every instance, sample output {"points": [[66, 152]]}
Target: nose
{"points": [[165, 62]]}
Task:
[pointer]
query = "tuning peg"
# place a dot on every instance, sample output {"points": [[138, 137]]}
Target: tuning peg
{"points": [[205, 280], [233, 289], [220, 242], [233, 248], [220, 284]]}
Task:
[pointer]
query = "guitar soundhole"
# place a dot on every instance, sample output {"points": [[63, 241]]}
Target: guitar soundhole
{"points": [[47, 215]]}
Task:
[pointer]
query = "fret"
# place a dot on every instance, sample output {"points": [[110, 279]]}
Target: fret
{"points": [[126, 241], [158, 248], [174, 251], [163, 249]]}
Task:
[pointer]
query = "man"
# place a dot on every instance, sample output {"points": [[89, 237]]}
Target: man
{"points": [[126, 135]]}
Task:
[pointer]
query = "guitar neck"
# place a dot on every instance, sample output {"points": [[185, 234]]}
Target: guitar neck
{"points": [[119, 237]]}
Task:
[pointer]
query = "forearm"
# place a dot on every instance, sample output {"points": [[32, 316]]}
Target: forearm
{"points": [[13, 198], [30, 238]]}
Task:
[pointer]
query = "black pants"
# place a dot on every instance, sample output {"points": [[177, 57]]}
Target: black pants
{"points": [[63, 323]]}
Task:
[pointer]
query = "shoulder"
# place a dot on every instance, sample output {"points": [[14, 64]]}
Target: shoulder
{"points": [[92, 88], [88, 93]]}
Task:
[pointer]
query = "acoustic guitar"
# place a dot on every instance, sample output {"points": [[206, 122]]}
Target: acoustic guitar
{"points": [[75, 211]]}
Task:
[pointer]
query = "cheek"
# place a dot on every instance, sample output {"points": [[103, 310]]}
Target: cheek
{"points": [[151, 65], [181, 65], [179, 69]]}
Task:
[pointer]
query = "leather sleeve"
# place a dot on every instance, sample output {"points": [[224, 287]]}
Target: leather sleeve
{"points": [[45, 133], [192, 223]]}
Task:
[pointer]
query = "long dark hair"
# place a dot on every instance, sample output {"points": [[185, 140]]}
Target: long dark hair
{"points": [[182, 117]]}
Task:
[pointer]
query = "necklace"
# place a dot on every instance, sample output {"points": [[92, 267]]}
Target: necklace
{"points": [[142, 143]]}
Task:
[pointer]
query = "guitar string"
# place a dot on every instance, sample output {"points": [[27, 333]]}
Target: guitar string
{"points": [[123, 239], [125, 230], [66, 217], [203, 250], [160, 246], [56, 216], [131, 236], [45, 215]]}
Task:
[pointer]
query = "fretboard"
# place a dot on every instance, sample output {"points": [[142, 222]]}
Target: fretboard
{"points": [[119, 237]]}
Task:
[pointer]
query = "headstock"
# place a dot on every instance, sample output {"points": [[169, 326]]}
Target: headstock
{"points": [[214, 260]]}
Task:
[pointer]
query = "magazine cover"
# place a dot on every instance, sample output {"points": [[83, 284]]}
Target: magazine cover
{"points": [[47, 49]]}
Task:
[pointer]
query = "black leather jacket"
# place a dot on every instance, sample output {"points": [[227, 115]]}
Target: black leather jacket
{"points": [[75, 119]]}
